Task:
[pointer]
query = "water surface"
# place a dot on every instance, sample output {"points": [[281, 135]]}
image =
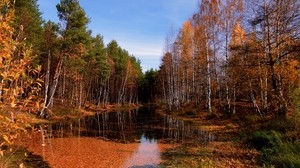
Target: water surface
{"points": [[114, 139]]}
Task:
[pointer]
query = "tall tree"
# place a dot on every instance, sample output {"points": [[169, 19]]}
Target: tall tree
{"points": [[278, 23], [208, 13], [231, 14], [187, 62], [98, 70], [74, 38], [49, 59]]}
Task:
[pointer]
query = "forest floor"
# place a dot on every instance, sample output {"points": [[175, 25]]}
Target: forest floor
{"points": [[228, 148]]}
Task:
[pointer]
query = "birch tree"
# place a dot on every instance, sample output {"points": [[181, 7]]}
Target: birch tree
{"points": [[278, 22]]}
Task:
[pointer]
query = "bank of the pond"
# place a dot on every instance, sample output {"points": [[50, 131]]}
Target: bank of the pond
{"points": [[19, 157], [243, 139], [227, 150], [61, 112]]}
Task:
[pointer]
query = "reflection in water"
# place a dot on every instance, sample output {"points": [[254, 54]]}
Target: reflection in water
{"points": [[179, 131], [143, 133], [130, 126], [147, 155]]}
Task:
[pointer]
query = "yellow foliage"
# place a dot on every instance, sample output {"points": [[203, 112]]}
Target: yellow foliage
{"points": [[15, 75], [238, 35], [15, 61], [289, 71], [5, 137]]}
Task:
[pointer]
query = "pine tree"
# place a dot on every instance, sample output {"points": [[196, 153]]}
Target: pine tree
{"points": [[28, 20], [75, 38]]}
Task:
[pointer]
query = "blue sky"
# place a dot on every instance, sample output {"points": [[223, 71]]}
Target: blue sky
{"points": [[139, 26]]}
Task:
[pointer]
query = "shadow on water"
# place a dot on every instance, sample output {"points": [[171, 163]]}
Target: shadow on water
{"points": [[131, 126]]}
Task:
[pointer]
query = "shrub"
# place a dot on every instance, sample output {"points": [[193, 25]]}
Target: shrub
{"points": [[262, 139], [275, 152], [295, 97], [251, 119], [287, 155]]}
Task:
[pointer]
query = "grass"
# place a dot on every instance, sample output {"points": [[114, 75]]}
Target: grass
{"points": [[187, 157], [275, 146]]}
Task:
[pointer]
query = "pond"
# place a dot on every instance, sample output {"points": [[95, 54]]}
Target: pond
{"points": [[134, 138]]}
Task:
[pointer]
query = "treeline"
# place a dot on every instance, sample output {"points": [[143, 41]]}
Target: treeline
{"points": [[233, 51], [63, 60]]}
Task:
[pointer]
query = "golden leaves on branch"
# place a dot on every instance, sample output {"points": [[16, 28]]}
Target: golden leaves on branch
{"points": [[16, 72], [19, 80]]}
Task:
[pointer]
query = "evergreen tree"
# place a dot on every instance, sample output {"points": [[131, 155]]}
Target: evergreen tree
{"points": [[28, 23], [75, 41], [74, 26]]}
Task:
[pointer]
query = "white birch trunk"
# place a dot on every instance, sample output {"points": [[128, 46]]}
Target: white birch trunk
{"points": [[208, 77], [47, 79], [53, 88]]}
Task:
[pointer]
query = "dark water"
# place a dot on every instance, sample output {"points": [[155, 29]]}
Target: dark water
{"points": [[131, 126]]}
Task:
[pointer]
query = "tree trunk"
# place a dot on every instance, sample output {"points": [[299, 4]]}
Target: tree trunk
{"points": [[52, 89], [208, 77], [47, 79]]}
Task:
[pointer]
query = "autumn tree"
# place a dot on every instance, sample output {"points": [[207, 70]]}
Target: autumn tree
{"points": [[277, 23], [167, 79], [231, 15], [194, 48], [207, 19], [243, 68], [19, 82], [186, 62]]}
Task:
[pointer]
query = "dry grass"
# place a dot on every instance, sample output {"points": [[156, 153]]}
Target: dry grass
{"points": [[226, 151]]}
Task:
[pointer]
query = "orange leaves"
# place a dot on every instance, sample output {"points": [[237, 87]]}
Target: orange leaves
{"points": [[186, 41], [289, 71], [15, 61], [6, 139], [238, 36]]}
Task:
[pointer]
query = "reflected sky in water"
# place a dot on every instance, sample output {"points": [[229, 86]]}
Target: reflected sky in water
{"points": [[147, 155]]}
